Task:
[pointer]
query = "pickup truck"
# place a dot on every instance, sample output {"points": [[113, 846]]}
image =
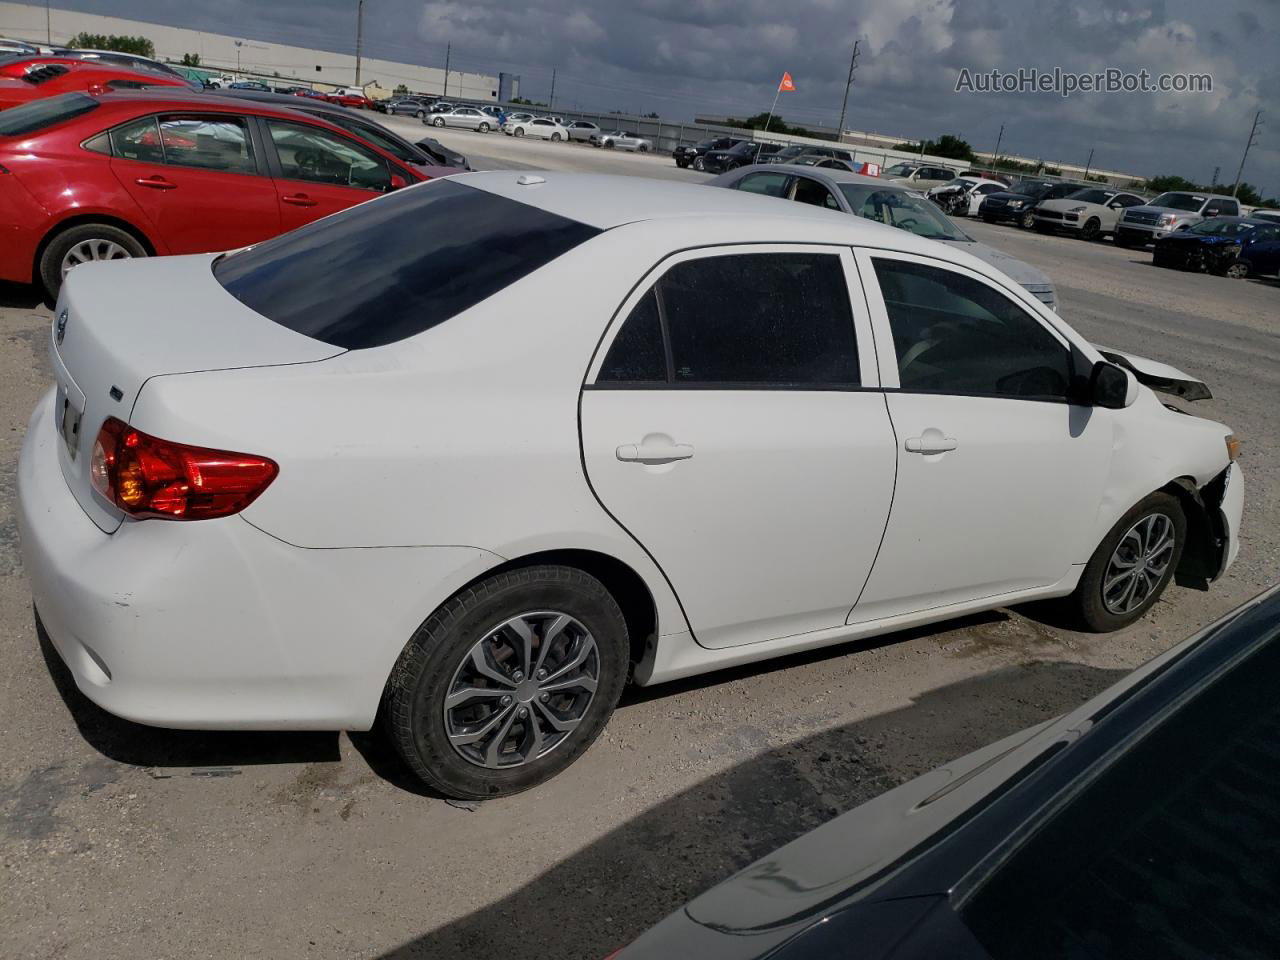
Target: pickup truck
{"points": [[1169, 213]]}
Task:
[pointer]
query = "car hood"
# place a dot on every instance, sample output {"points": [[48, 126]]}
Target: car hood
{"points": [[1158, 376], [1148, 208], [1017, 270], [1063, 204]]}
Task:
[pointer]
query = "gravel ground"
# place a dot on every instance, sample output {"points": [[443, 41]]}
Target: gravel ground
{"points": [[122, 841]]}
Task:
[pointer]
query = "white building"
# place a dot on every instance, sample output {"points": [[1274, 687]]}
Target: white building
{"points": [[244, 55]]}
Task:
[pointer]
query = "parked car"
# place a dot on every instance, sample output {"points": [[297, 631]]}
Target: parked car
{"points": [[220, 81], [889, 203], [254, 85], [1137, 825], [964, 195], [405, 106], [467, 118], [921, 176], [495, 640], [691, 156], [357, 101], [441, 106], [1271, 215], [540, 127], [794, 151], [184, 173], [1018, 203], [119, 59], [517, 118], [1232, 246], [1092, 212], [582, 130], [622, 140], [1169, 213], [823, 162], [741, 154], [428, 154], [26, 79]]}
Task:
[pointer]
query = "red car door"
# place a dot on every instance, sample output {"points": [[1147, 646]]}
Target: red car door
{"points": [[196, 179], [322, 172]]}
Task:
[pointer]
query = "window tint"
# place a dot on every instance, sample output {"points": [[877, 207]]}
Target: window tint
{"points": [[812, 192], [407, 277], [99, 144], [956, 335], [759, 318], [309, 153], [38, 114], [1173, 851], [770, 184], [212, 143], [138, 140], [637, 354]]}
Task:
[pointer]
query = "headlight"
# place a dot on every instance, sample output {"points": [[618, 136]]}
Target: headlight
{"points": [[1077, 210], [1166, 219], [1016, 203]]}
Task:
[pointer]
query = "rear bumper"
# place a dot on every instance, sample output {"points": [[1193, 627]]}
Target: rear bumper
{"points": [[215, 624]]}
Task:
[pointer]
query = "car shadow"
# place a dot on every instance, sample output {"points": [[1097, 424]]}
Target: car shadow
{"points": [[21, 296], [610, 891], [143, 746]]}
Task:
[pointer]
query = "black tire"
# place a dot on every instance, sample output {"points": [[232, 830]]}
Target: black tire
{"points": [[519, 132], [415, 695], [555, 138], [1087, 601], [1091, 230], [643, 148], [438, 122], [484, 127], [608, 144], [699, 163], [421, 115], [1027, 220], [1238, 270], [49, 269], [682, 164]]}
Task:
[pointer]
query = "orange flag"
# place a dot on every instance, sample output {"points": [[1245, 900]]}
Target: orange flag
{"points": [[787, 85]]}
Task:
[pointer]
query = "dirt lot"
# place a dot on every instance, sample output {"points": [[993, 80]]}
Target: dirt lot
{"points": [[122, 841]]}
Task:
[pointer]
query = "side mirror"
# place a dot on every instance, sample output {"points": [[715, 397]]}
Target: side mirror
{"points": [[398, 181], [1108, 386]]}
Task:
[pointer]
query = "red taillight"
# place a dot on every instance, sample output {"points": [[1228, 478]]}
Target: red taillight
{"points": [[148, 477]]}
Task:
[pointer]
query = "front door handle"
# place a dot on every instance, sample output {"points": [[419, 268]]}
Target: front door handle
{"points": [[931, 441], [155, 183], [654, 450], [299, 200]]}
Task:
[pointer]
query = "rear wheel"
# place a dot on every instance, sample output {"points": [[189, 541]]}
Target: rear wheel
{"points": [[608, 144], [519, 131], [421, 115], [484, 128], [555, 138], [1091, 230], [1238, 270], [643, 148], [1133, 564], [82, 244], [509, 682], [438, 122]]}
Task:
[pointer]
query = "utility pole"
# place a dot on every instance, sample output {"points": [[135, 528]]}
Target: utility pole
{"points": [[1088, 164], [1252, 132], [1217, 172], [551, 102], [359, 35], [48, 28], [853, 62], [448, 51], [995, 154], [239, 44]]}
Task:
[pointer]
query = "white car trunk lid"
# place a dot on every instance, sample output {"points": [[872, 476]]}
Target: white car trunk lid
{"points": [[118, 324]]}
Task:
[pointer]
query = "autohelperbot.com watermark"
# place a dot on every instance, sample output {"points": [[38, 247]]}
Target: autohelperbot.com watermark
{"points": [[1066, 82]]}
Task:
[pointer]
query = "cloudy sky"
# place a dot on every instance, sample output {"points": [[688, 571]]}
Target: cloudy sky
{"points": [[687, 57]]}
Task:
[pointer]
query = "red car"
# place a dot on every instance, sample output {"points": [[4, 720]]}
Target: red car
{"points": [[33, 78], [359, 101], [145, 174]]}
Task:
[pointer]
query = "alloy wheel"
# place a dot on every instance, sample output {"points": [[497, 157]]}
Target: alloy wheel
{"points": [[1238, 270], [1138, 564], [92, 249], [521, 690]]}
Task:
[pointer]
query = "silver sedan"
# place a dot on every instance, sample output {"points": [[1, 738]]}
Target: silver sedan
{"points": [[468, 118], [621, 140]]}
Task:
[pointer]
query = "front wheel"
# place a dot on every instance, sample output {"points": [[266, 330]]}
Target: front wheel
{"points": [[519, 132], [699, 163], [643, 148], [1237, 271], [1133, 564], [438, 122], [421, 115], [509, 682], [608, 145], [484, 128], [1091, 230], [1027, 220], [555, 138]]}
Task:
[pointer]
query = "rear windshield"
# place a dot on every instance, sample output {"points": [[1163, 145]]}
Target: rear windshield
{"points": [[39, 114], [392, 268]]}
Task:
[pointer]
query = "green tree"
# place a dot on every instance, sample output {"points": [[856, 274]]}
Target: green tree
{"points": [[123, 44], [948, 145], [1170, 182], [400, 91], [1247, 193], [776, 125], [191, 59]]}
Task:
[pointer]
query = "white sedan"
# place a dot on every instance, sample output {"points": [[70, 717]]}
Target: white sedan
{"points": [[468, 118], [541, 127], [621, 140], [332, 485]]}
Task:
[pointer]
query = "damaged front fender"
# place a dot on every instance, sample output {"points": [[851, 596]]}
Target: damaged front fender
{"points": [[1158, 376]]}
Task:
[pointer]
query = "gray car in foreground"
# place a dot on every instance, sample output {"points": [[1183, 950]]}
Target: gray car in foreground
{"points": [[1144, 824], [889, 203]]}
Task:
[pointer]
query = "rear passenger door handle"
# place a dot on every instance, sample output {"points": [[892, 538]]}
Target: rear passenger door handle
{"points": [[155, 183], [299, 200], [654, 451]]}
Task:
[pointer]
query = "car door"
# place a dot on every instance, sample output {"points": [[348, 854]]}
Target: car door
{"points": [[1220, 208], [197, 178], [1000, 475], [318, 172], [979, 193], [731, 423], [1262, 250]]}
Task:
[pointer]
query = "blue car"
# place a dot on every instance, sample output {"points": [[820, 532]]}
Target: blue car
{"points": [[1235, 247]]}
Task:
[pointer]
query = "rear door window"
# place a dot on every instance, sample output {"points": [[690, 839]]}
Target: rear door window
{"points": [[383, 271], [770, 184], [138, 140], [218, 143]]}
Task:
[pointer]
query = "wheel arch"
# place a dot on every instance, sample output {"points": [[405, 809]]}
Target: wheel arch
{"points": [[62, 226], [1202, 553]]}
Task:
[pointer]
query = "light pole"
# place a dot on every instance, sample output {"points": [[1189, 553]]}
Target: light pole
{"points": [[239, 44], [359, 35], [1252, 133], [844, 106]]}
